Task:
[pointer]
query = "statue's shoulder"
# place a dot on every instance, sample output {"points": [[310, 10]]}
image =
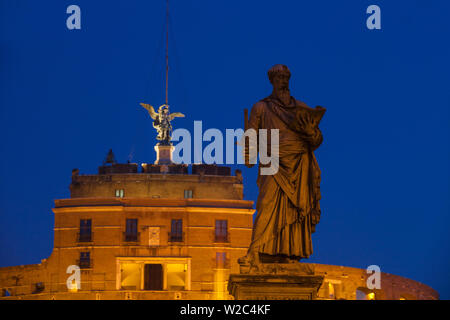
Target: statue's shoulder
{"points": [[260, 106]]}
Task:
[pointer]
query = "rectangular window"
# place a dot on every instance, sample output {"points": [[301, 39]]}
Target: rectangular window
{"points": [[119, 193], [188, 194], [85, 260], [221, 232], [85, 234], [131, 233], [176, 231], [221, 260]]}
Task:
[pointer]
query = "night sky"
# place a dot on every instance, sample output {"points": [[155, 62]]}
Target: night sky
{"points": [[68, 96]]}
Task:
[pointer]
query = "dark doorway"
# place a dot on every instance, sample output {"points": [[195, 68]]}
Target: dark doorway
{"points": [[153, 277]]}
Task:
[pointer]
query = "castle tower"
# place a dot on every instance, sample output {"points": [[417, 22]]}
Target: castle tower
{"points": [[151, 235]]}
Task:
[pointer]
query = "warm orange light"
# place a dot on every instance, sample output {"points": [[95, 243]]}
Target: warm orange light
{"points": [[331, 290], [371, 296], [73, 287], [219, 284]]}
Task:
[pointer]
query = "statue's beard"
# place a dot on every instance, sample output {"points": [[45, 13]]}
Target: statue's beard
{"points": [[284, 94]]}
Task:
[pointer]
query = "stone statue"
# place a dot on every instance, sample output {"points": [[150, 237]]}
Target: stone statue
{"points": [[161, 121], [288, 202]]}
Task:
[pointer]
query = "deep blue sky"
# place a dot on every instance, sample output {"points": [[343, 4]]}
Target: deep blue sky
{"points": [[67, 96]]}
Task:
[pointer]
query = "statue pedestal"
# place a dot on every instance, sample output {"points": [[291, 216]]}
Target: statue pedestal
{"points": [[164, 154], [276, 281]]}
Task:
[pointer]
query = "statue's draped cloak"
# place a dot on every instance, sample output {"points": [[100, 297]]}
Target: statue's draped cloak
{"points": [[288, 203]]}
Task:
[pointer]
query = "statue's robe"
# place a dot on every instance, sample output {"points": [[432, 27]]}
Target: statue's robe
{"points": [[288, 203]]}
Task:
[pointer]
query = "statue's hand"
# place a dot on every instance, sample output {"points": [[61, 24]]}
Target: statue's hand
{"points": [[308, 124]]}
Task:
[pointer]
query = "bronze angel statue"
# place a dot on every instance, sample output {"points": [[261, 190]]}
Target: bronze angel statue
{"points": [[161, 121]]}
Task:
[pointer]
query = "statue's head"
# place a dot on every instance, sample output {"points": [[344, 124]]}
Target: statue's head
{"points": [[163, 109], [279, 76]]}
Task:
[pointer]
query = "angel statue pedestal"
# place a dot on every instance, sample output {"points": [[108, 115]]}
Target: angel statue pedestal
{"points": [[164, 154]]}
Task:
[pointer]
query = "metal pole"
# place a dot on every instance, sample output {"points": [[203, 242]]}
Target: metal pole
{"points": [[167, 52]]}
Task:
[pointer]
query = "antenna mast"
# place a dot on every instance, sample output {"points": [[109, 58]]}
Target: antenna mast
{"points": [[167, 52]]}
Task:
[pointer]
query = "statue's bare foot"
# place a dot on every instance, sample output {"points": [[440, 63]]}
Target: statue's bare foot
{"points": [[244, 260], [254, 261], [250, 262]]}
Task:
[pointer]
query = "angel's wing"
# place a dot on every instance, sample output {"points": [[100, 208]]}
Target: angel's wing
{"points": [[175, 114], [150, 110]]}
